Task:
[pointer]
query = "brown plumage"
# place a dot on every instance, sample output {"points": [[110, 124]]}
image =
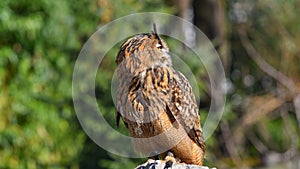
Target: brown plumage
{"points": [[156, 102]]}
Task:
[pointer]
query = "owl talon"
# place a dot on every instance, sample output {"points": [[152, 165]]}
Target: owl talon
{"points": [[170, 154], [170, 158]]}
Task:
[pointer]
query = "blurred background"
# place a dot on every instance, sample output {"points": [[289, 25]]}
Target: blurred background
{"points": [[258, 42]]}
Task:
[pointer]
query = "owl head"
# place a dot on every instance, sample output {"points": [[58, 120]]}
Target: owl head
{"points": [[143, 51]]}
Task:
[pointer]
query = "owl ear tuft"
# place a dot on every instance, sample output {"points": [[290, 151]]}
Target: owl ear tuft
{"points": [[154, 32]]}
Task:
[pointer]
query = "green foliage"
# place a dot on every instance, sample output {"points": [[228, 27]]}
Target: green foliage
{"points": [[37, 123]]}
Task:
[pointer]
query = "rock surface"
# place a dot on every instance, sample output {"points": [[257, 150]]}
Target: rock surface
{"points": [[160, 164]]}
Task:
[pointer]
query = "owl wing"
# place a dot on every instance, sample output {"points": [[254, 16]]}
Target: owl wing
{"points": [[184, 108]]}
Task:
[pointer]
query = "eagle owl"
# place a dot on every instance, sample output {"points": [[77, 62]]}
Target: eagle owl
{"points": [[156, 102]]}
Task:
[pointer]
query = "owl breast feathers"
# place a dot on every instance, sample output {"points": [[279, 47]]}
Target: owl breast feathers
{"points": [[156, 103]]}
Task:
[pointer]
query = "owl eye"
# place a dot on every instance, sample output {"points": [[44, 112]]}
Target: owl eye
{"points": [[159, 46]]}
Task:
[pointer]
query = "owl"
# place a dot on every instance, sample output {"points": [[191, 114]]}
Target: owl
{"points": [[156, 102]]}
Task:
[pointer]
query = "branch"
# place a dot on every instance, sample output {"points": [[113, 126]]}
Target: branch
{"points": [[263, 65], [263, 106], [271, 71], [230, 143]]}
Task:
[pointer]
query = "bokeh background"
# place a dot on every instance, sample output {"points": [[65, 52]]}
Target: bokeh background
{"points": [[258, 42]]}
